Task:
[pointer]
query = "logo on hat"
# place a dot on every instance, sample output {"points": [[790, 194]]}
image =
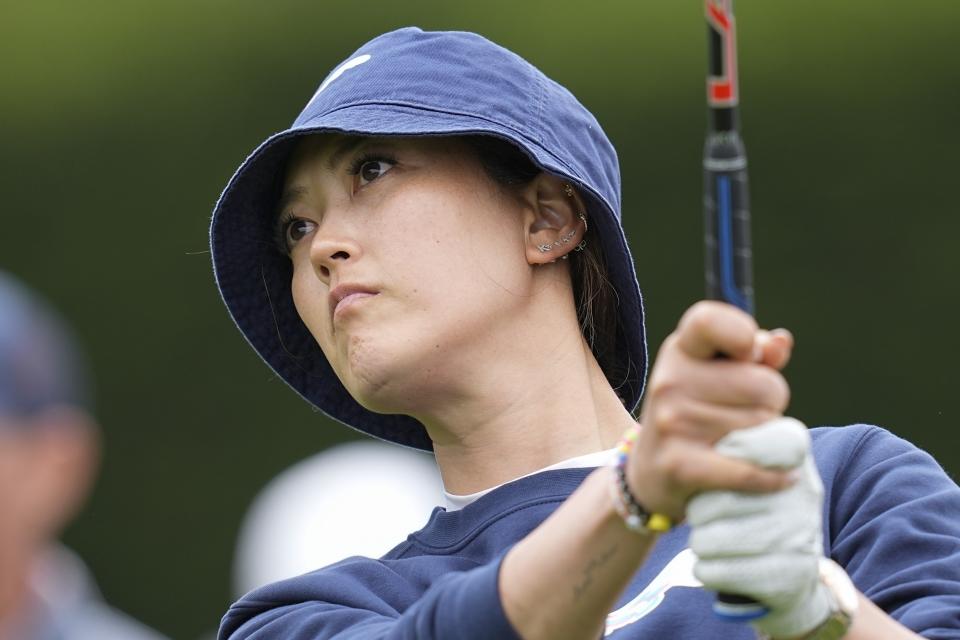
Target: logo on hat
{"points": [[336, 73]]}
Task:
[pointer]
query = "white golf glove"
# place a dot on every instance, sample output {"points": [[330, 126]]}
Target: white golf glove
{"points": [[766, 546]]}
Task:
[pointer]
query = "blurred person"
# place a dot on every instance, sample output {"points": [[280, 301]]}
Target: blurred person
{"points": [[49, 454], [434, 255], [317, 511]]}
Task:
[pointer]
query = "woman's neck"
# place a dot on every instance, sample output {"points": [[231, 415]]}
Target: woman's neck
{"points": [[527, 419]]}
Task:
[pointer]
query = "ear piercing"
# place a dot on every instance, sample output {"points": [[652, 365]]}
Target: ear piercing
{"points": [[579, 247], [565, 239]]}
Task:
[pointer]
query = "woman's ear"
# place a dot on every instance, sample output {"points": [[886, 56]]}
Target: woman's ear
{"points": [[555, 224]]}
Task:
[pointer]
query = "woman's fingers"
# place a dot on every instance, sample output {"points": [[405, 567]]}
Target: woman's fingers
{"points": [[703, 469], [775, 347], [723, 382], [718, 373], [680, 469], [704, 421], [710, 328]]}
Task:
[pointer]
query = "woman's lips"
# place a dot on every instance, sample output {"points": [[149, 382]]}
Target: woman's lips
{"points": [[350, 301]]}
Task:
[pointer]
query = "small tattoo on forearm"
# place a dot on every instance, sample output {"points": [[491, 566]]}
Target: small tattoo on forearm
{"points": [[586, 579]]}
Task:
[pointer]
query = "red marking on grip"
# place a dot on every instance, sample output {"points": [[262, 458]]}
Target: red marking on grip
{"points": [[718, 15], [722, 90]]}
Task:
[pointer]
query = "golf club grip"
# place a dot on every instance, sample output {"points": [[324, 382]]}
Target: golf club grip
{"points": [[726, 207], [728, 270]]}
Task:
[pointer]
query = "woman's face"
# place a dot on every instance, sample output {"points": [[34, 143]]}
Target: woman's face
{"points": [[406, 258]]}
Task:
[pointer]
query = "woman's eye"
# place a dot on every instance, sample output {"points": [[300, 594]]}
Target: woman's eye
{"points": [[373, 169], [295, 231]]}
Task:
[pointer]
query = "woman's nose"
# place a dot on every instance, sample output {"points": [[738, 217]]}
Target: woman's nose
{"points": [[331, 252]]}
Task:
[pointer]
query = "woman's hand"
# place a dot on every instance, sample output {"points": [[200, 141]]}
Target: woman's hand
{"points": [[766, 546], [718, 372], [563, 579]]}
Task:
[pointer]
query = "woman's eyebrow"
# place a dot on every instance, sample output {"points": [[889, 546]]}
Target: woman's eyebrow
{"points": [[290, 194], [342, 149]]}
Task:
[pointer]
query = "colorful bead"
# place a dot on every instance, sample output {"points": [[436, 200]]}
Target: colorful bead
{"points": [[634, 515]]}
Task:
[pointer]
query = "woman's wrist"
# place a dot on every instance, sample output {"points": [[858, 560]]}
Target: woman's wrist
{"points": [[566, 575], [636, 517]]}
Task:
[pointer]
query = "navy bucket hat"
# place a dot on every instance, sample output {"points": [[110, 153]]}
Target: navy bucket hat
{"points": [[411, 82]]}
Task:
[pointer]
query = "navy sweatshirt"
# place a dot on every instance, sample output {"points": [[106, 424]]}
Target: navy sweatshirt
{"points": [[891, 518]]}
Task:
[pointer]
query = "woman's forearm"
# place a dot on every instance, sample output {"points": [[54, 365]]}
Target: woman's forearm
{"points": [[563, 578], [873, 623]]}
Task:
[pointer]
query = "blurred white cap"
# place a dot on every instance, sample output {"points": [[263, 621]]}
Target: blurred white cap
{"points": [[360, 498]]}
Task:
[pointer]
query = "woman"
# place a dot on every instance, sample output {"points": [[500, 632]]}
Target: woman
{"points": [[433, 255]]}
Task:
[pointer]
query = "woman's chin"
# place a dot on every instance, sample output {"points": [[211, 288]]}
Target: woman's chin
{"points": [[387, 374], [376, 377], [390, 389]]}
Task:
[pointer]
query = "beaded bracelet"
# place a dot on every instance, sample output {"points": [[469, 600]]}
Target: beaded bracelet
{"points": [[634, 516]]}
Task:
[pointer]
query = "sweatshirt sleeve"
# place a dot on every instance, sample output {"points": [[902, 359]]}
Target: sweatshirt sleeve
{"points": [[894, 523], [370, 599]]}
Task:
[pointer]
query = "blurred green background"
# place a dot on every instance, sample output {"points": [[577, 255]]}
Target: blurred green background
{"points": [[122, 121]]}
